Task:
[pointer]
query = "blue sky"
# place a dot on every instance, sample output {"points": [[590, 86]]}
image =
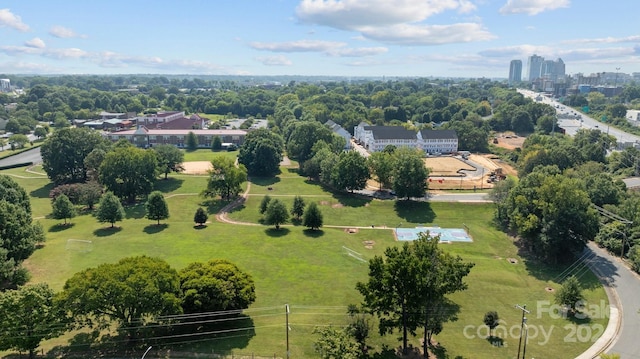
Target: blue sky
{"points": [[442, 38]]}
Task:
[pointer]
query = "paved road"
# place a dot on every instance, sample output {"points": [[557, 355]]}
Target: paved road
{"points": [[27, 156], [627, 286], [587, 122]]}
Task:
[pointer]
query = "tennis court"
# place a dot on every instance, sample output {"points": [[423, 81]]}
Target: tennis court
{"points": [[447, 235]]}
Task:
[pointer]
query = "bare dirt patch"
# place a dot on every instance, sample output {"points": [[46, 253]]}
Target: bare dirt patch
{"points": [[351, 230], [324, 203], [509, 140], [196, 167], [446, 166], [549, 289], [368, 244], [512, 260], [337, 205]]}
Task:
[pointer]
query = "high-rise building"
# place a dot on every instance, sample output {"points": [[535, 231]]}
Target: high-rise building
{"points": [[5, 85], [534, 67], [515, 72]]}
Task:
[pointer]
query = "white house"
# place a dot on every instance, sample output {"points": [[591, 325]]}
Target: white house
{"points": [[340, 131], [438, 141], [376, 138]]}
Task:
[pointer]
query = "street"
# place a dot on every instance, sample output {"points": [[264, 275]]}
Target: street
{"points": [[32, 155]]}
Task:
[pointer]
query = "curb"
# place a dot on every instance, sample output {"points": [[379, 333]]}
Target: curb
{"points": [[610, 334]]}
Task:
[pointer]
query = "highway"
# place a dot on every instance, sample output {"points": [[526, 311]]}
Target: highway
{"points": [[573, 125]]}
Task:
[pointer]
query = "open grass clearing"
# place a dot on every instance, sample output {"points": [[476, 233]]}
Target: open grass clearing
{"points": [[311, 271]]}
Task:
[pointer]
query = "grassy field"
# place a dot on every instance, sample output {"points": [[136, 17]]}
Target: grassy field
{"points": [[205, 154], [312, 271]]}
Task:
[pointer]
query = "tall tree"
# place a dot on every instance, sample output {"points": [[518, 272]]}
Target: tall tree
{"points": [[409, 284], [170, 159], [225, 179], [28, 316], [216, 143], [264, 203], [276, 213], [297, 209], [192, 141], [217, 285], [312, 217], [156, 207], [333, 343], [125, 292], [381, 166], [570, 294], [129, 172], [302, 135], [261, 152], [63, 208], [491, 320], [351, 172], [12, 192], [110, 209], [409, 174], [63, 153]]}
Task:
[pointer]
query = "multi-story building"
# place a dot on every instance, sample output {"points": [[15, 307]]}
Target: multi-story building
{"points": [[340, 131], [534, 67], [143, 137], [5, 85], [376, 138], [515, 72]]}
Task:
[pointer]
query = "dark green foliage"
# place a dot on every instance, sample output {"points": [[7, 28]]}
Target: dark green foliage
{"points": [[297, 209], [264, 204], [225, 179], [129, 172], [200, 218], [351, 172], [192, 141], [634, 257], [261, 152], [216, 143], [409, 174], [491, 320], [217, 285], [276, 213], [28, 316], [64, 152], [301, 136], [63, 208], [312, 217], [156, 207], [110, 209], [125, 292], [12, 192], [570, 294], [170, 159]]}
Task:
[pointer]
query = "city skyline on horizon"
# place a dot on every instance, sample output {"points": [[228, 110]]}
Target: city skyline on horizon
{"points": [[346, 38]]}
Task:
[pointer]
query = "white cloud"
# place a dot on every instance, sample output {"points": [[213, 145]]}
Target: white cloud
{"points": [[36, 42], [605, 40], [9, 19], [532, 7], [64, 32], [21, 67], [278, 60], [407, 34], [331, 48], [394, 22], [352, 14]]}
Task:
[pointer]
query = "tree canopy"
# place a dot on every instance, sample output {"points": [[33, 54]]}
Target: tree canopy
{"points": [[63, 208], [312, 217], [276, 213], [63, 153], [261, 152], [217, 285], [351, 171], [156, 207], [110, 209], [409, 174], [225, 179], [129, 172], [170, 159], [125, 292]]}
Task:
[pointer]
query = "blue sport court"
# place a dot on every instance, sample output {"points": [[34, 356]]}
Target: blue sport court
{"points": [[447, 235]]}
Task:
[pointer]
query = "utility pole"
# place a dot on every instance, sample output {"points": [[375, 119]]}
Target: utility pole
{"points": [[286, 306], [526, 334], [524, 319]]}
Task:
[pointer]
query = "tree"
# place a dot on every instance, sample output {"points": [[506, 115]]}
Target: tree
{"points": [[264, 204], [634, 257], [297, 210], [225, 179], [351, 172], [334, 343], [276, 213], [90, 194], [129, 172], [216, 143], [170, 159], [381, 166], [40, 132], [92, 163], [261, 152], [192, 141], [217, 285], [63, 208], [28, 316], [302, 135], [64, 152], [110, 209], [125, 292], [312, 217], [409, 174], [570, 294], [12, 192], [18, 140], [156, 207], [409, 284], [491, 320], [200, 218]]}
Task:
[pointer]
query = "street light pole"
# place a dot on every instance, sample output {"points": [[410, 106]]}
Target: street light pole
{"points": [[524, 319]]}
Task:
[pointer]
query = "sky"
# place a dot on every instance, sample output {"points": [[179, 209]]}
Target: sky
{"points": [[353, 38]]}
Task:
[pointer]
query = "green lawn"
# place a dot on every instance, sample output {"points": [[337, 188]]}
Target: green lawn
{"points": [[311, 271], [205, 154]]}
